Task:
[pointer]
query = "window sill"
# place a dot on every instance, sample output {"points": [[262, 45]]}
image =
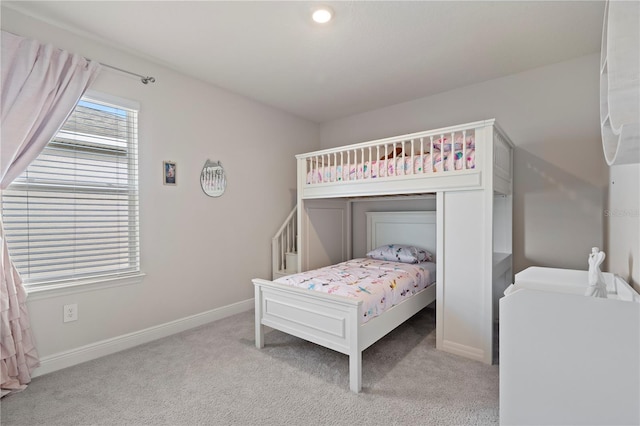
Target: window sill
{"points": [[63, 288]]}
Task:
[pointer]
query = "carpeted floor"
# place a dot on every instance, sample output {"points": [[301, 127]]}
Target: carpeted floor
{"points": [[214, 375]]}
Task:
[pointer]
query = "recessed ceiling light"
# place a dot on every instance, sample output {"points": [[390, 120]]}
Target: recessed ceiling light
{"points": [[322, 15]]}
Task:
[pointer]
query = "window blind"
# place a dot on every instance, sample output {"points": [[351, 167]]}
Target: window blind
{"points": [[74, 212]]}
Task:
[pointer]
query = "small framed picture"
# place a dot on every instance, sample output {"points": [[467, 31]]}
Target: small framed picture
{"points": [[169, 172]]}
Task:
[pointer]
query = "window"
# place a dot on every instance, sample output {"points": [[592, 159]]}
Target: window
{"points": [[73, 214]]}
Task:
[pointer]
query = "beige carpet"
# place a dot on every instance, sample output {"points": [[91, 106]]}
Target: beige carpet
{"points": [[214, 375]]}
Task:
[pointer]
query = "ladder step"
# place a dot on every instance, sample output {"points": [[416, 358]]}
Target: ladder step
{"points": [[291, 262]]}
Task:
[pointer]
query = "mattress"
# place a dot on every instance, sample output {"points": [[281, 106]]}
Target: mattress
{"points": [[379, 284]]}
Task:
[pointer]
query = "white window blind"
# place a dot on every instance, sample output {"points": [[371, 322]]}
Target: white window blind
{"points": [[73, 213]]}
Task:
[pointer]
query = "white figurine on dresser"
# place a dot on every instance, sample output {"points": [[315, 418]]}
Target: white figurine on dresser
{"points": [[567, 358], [597, 286]]}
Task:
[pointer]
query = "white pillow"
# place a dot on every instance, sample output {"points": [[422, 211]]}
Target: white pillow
{"points": [[400, 253]]}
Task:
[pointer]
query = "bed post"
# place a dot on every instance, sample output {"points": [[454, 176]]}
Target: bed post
{"points": [[355, 371], [355, 353], [258, 312]]}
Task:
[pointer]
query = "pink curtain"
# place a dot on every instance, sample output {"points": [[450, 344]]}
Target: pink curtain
{"points": [[40, 86]]}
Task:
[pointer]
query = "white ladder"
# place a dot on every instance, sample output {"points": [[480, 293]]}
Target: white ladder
{"points": [[284, 247]]}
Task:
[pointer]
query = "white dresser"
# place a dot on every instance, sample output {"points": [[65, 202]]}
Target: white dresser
{"points": [[565, 358]]}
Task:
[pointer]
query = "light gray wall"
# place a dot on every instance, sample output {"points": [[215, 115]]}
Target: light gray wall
{"points": [[623, 223], [199, 253], [552, 115]]}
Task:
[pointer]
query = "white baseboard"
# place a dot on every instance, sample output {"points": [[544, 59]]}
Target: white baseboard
{"points": [[463, 350], [99, 349]]}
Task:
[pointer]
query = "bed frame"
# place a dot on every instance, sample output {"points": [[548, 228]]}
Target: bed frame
{"points": [[492, 164], [473, 215], [334, 321]]}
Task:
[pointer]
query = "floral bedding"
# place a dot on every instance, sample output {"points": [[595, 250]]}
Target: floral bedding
{"points": [[461, 158], [379, 284]]}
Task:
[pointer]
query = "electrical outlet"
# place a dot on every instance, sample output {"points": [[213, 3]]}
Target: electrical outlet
{"points": [[70, 312]]}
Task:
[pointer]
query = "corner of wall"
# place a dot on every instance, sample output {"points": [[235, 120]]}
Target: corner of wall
{"points": [[622, 223]]}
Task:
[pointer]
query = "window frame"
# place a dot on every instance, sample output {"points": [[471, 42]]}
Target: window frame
{"points": [[56, 287]]}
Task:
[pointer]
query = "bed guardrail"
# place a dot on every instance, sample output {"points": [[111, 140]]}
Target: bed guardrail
{"points": [[443, 151]]}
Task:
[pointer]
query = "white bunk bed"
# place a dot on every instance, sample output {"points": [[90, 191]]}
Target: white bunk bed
{"points": [[468, 168]]}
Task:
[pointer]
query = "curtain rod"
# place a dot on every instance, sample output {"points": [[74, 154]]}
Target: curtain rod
{"points": [[144, 79]]}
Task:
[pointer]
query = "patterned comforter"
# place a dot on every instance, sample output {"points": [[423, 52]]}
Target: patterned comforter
{"points": [[400, 166], [380, 284]]}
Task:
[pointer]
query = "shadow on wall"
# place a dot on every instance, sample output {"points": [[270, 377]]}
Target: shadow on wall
{"points": [[557, 218], [629, 277], [622, 222]]}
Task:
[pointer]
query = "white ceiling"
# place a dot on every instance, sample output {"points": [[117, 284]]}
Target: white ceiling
{"points": [[372, 55]]}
